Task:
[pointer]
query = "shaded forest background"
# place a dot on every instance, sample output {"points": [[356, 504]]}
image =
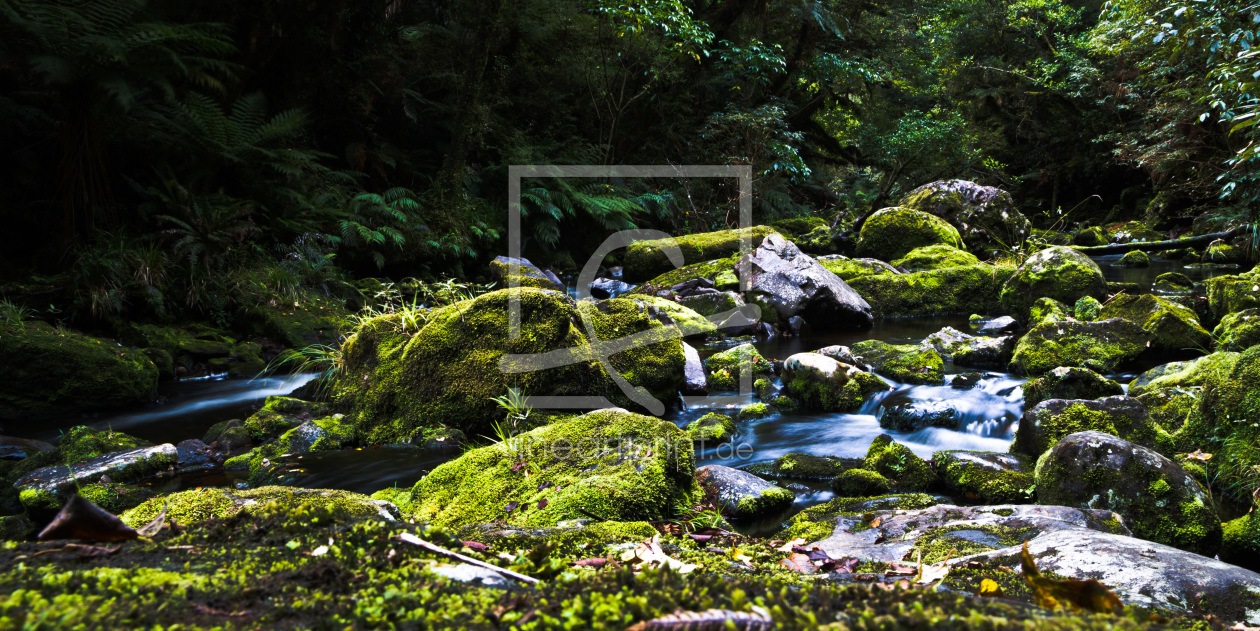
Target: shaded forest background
{"points": [[160, 159]]}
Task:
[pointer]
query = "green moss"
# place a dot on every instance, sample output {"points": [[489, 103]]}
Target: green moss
{"points": [[1048, 310], [330, 434], [116, 498], [988, 484], [891, 233], [1092, 236], [848, 269], [936, 256], [1188, 374], [1173, 282], [1171, 326], [656, 367], [40, 500], [953, 290], [51, 371], [753, 411], [803, 466], [1087, 309], [279, 415], [896, 462], [1240, 542], [734, 361], [508, 271], [845, 391], [1238, 331], [1056, 272], [1228, 294], [906, 364], [646, 259], [1100, 346], [1069, 383], [938, 543], [860, 483], [313, 318], [798, 225], [817, 522], [1135, 258], [712, 427], [1170, 407], [611, 463], [689, 321], [704, 269], [198, 505], [769, 502], [1041, 428]]}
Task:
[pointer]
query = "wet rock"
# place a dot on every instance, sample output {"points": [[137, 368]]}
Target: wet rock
{"points": [[986, 352], [791, 283], [796, 325], [609, 288], [1069, 383], [947, 340], [985, 476], [1101, 346], [1056, 272], [50, 486], [997, 326], [470, 574], [821, 383], [507, 270], [1157, 498], [646, 259], [694, 381], [1172, 327], [1173, 283], [326, 434], [194, 455], [905, 363], [912, 417], [938, 256], [1135, 258], [892, 233], [896, 462], [985, 216], [860, 483], [712, 428], [1050, 421], [966, 381], [15, 448], [742, 494], [953, 290]]}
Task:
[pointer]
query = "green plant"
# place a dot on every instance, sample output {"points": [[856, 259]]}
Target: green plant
{"points": [[13, 314], [322, 358], [374, 223], [516, 405]]}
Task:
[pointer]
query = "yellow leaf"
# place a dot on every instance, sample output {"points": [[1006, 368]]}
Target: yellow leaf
{"points": [[988, 587]]}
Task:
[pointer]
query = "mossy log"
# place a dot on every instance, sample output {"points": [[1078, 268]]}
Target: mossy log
{"points": [[1158, 246]]}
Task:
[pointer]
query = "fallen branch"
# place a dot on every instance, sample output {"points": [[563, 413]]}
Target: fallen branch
{"points": [[1157, 246], [417, 541]]}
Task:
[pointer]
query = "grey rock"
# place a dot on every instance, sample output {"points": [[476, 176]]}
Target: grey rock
{"points": [[14, 448], [986, 352], [609, 288], [843, 355], [1050, 421], [471, 574], [793, 283], [708, 304], [693, 371], [122, 466], [742, 494], [947, 340], [194, 455], [997, 326]]}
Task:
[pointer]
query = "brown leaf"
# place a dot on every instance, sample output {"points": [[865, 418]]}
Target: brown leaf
{"points": [[478, 547], [511, 506], [595, 562], [542, 503], [152, 528], [1071, 594], [876, 522], [897, 569], [787, 547], [799, 563], [933, 573], [81, 519]]}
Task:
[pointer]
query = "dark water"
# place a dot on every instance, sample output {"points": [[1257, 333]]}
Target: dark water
{"points": [[1145, 276]]}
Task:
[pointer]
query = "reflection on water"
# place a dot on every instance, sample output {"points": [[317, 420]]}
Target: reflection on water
{"points": [[364, 470], [1145, 276]]}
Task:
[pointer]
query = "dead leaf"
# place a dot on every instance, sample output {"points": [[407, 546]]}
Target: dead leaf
{"points": [[511, 506], [933, 573], [1071, 594], [649, 555], [799, 563], [757, 620], [81, 519], [787, 547], [989, 588], [876, 522], [739, 556], [152, 528], [542, 503], [841, 566], [897, 569], [476, 547], [595, 562]]}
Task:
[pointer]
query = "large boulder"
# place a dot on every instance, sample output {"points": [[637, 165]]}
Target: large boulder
{"points": [[821, 383], [986, 352], [1157, 498], [447, 366], [742, 495], [1238, 331], [50, 487], [647, 259], [1069, 383], [611, 463], [1056, 272], [1048, 422], [790, 283], [1185, 374], [952, 290], [1101, 346], [985, 476], [985, 216], [48, 371], [506, 270], [905, 363], [1172, 327], [892, 233], [1228, 294]]}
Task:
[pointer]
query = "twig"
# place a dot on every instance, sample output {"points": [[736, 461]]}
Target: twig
{"points": [[417, 541], [591, 515]]}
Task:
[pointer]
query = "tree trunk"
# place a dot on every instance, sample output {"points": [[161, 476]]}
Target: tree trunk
{"points": [[1158, 246]]}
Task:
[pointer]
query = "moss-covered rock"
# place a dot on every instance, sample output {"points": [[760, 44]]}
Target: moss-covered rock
{"points": [[953, 290], [49, 371], [1224, 421], [896, 462], [753, 412], [1170, 407], [277, 415], [690, 323], [324, 434], [1069, 383], [799, 465], [718, 271], [711, 428], [1133, 232], [197, 505], [506, 271], [1185, 374], [1173, 283], [740, 494], [823, 384], [903, 363], [660, 367], [1238, 331], [817, 522], [313, 318], [1157, 499], [985, 216], [1240, 541], [116, 498], [985, 476], [848, 269], [1101, 346], [43, 491], [645, 260], [1090, 237], [1056, 272], [1087, 309], [77, 445], [860, 483], [1046, 310], [1172, 327], [611, 463], [1228, 294], [891, 233], [734, 362], [1135, 258], [936, 256], [1050, 421], [1224, 253], [397, 379]]}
